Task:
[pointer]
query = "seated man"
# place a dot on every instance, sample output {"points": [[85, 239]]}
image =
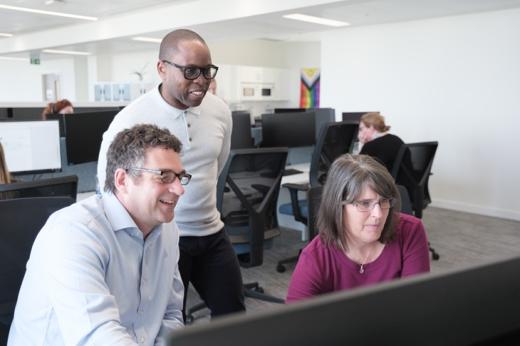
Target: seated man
{"points": [[104, 270]]}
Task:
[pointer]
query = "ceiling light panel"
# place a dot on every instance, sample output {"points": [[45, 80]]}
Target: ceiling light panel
{"points": [[49, 13], [315, 20], [147, 39], [67, 52]]}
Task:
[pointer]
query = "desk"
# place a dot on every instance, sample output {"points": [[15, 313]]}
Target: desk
{"points": [[288, 221]]}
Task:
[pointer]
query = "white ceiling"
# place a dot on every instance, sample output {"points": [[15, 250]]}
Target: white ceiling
{"points": [[269, 24]]}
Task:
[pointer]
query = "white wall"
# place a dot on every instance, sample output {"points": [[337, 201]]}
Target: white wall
{"points": [[292, 56], [455, 80], [22, 82]]}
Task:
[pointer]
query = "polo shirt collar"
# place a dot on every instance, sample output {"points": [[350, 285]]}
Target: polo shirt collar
{"points": [[169, 108]]}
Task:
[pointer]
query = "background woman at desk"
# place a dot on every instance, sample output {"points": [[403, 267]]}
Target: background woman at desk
{"points": [[59, 107], [5, 176], [376, 141], [363, 238]]}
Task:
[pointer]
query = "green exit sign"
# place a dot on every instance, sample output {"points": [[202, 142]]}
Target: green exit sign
{"points": [[35, 58]]}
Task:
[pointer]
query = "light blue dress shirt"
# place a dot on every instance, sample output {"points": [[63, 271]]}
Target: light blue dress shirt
{"points": [[92, 279]]}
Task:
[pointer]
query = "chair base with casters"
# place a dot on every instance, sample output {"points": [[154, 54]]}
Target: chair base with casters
{"points": [[251, 289]]}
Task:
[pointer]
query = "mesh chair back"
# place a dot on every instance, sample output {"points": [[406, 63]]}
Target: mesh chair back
{"points": [[247, 192], [335, 140]]}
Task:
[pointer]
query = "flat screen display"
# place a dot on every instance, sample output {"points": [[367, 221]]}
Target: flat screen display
{"points": [[84, 132], [288, 129], [31, 146]]}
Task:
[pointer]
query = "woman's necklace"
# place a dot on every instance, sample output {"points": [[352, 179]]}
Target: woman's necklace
{"points": [[364, 262], [362, 265]]}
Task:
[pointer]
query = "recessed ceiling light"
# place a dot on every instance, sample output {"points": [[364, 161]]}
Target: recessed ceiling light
{"points": [[50, 13], [4, 34], [147, 39], [69, 52], [315, 20], [13, 58]]}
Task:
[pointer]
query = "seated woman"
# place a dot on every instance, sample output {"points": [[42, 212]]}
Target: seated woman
{"points": [[5, 176], [363, 239], [376, 141], [59, 107]]}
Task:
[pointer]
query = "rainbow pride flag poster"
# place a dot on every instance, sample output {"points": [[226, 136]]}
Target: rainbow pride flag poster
{"points": [[310, 88]]}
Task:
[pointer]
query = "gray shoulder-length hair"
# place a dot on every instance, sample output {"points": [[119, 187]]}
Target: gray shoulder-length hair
{"points": [[347, 177]]}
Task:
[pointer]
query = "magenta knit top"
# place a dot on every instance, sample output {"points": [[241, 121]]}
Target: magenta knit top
{"points": [[322, 269]]}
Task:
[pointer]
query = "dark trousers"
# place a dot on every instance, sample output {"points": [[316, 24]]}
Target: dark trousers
{"points": [[211, 265]]}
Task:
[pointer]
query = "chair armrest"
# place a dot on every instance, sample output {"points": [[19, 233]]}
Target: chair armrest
{"points": [[295, 203], [299, 187]]}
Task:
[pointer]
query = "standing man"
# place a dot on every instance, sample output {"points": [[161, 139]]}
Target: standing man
{"points": [[104, 270], [202, 122]]}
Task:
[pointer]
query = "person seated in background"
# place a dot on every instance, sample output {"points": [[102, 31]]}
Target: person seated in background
{"points": [[363, 239], [5, 176], [376, 141], [104, 271], [59, 107]]}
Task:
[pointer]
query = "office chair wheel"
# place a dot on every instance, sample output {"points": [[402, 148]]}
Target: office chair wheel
{"points": [[435, 256], [280, 268]]}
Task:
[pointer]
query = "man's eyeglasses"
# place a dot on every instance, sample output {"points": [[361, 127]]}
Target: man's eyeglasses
{"points": [[192, 72], [167, 175], [369, 204]]}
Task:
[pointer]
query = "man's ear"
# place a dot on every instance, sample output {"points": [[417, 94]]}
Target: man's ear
{"points": [[161, 68], [121, 178]]}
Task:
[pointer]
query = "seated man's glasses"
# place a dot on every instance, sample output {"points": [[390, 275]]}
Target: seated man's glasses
{"points": [[167, 175], [192, 72], [369, 204]]}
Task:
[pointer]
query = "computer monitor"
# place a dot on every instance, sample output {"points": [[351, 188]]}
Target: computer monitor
{"points": [[31, 146], [27, 113], [473, 306], [290, 110], [50, 187], [288, 129], [84, 132], [241, 134], [352, 116], [323, 116]]}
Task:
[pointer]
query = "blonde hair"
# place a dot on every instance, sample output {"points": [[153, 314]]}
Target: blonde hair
{"points": [[5, 176], [376, 120]]}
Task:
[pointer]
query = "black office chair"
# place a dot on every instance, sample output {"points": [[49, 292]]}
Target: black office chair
{"points": [[241, 137], [414, 174], [59, 186], [247, 192], [335, 140], [416, 177], [21, 220]]}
